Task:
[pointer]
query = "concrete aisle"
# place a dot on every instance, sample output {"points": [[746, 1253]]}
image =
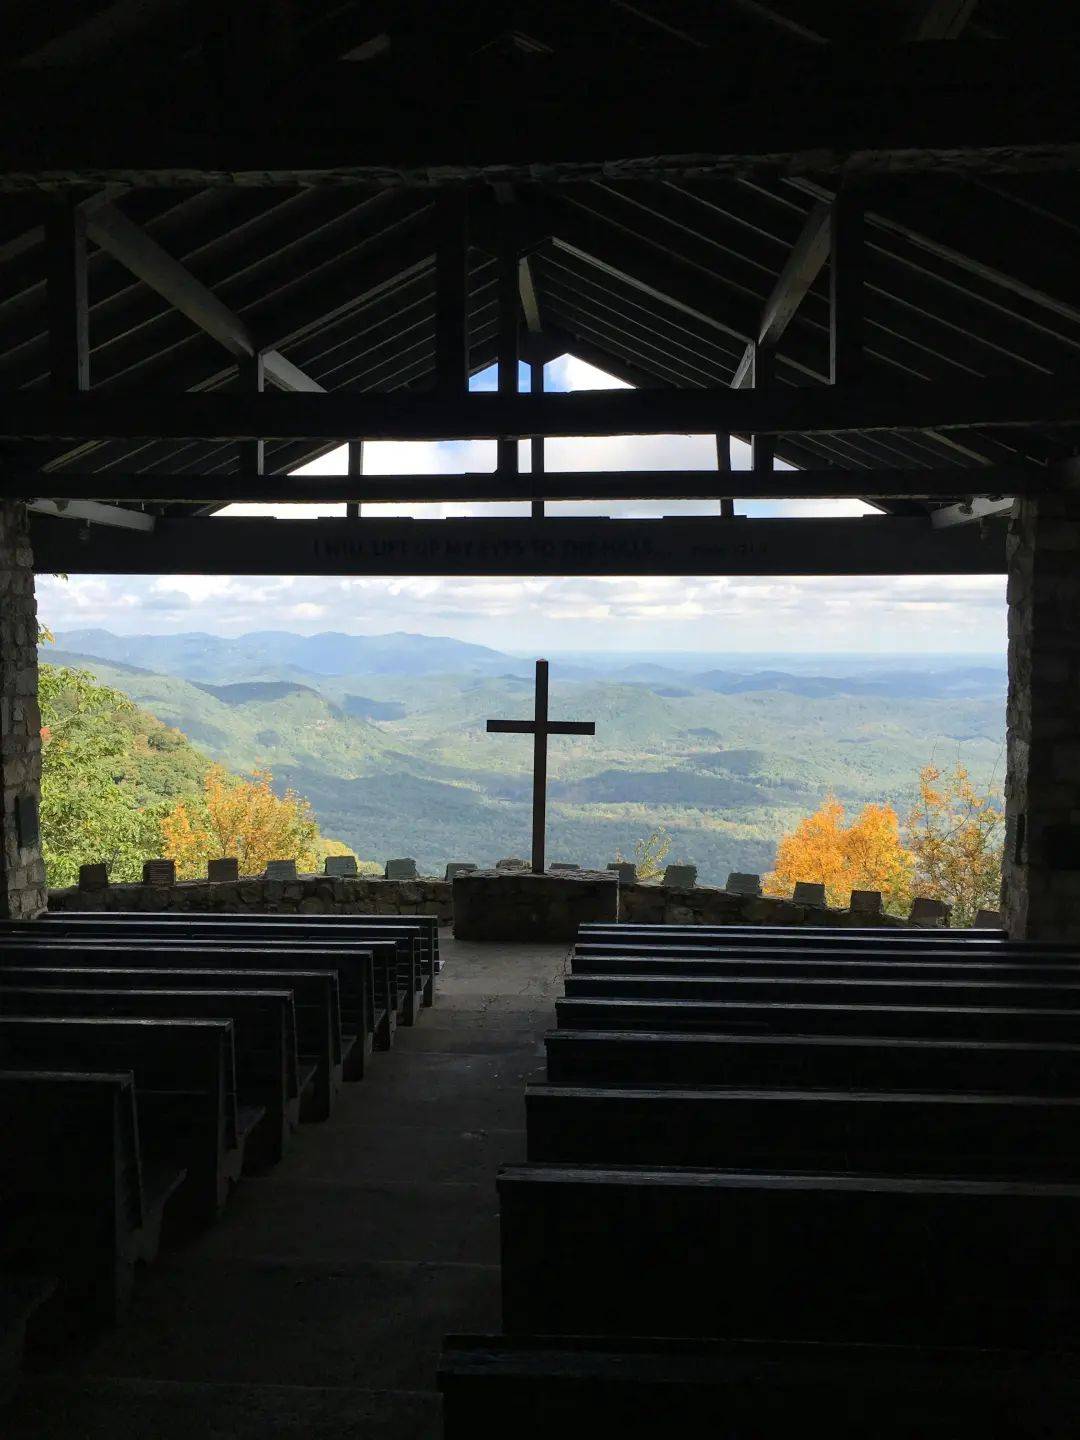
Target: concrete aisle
{"points": [[319, 1301]]}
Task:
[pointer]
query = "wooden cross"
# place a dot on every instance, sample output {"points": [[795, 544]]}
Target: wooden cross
{"points": [[540, 727]]}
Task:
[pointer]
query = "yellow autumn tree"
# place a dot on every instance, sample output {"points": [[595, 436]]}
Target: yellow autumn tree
{"points": [[241, 817], [956, 834], [867, 854]]}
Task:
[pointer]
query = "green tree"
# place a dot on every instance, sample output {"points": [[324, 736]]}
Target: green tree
{"points": [[649, 854], [88, 813], [957, 833]]}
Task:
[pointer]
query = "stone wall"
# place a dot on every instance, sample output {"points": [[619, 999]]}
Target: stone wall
{"points": [[704, 905], [307, 895], [1041, 880], [22, 872]]}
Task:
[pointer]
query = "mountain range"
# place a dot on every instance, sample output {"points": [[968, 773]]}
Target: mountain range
{"points": [[386, 735]]}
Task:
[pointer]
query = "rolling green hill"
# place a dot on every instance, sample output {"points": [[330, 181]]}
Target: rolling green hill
{"points": [[401, 764]]}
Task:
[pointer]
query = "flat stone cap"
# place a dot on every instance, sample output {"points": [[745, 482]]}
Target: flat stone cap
{"points": [[808, 892], [932, 913], [740, 883], [866, 902], [403, 869], [341, 866], [987, 920], [681, 877]]}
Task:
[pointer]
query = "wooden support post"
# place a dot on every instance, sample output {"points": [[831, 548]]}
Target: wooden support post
{"points": [[847, 275], [356, 468], [452, 294], [763, 447], [251, 452], [723, 465], [69, 343], [509, 342], [536, 445]]}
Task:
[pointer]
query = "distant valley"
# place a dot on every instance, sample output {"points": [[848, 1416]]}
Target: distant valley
{"points": [[386, 736]]}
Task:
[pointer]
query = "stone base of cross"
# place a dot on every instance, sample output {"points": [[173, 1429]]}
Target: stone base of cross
{"points": [[540, 727]]}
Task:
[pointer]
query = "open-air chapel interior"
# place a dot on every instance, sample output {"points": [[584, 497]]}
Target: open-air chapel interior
{"points": [[332, 1166]]}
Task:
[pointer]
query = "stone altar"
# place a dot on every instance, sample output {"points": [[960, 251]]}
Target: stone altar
{"points": [[520, 905]]}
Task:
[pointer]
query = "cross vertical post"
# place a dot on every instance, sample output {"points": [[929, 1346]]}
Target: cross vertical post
{"points": [[540, 735], [540, 727]]}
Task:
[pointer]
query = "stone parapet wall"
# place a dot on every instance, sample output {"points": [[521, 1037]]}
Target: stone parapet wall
{"points": [[22, 872], [307, 895], [704, 905], [502, 905]]}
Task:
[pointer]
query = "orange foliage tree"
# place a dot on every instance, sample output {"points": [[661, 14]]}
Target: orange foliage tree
{"points": [[243, 818], [867, 854], [956, 834]]}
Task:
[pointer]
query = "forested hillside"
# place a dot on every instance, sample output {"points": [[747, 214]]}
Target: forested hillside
{"points": [[392, 751]]}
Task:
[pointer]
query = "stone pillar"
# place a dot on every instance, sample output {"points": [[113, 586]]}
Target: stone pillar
{"points": [[22, 872], [1041, 879]]}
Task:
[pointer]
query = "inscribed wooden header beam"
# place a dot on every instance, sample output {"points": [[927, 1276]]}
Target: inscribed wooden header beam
{"points": [[785, 409], [697, 545]]}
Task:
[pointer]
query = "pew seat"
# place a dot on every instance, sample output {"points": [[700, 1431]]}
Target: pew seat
{"points": [[582, 1387], [812, 1257], [185, 1092], [81, 1200]]}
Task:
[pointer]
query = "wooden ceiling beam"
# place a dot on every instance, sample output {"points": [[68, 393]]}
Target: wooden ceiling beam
{"points": [[945, 484], [939, 106], [343, 415]]}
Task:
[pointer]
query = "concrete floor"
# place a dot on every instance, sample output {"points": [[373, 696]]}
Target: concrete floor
{"points": [[320, 1299]]}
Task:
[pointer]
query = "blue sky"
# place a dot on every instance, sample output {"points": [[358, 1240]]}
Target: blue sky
{"points": [[883, 615]]}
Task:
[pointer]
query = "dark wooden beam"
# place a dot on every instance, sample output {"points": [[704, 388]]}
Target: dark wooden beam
{"points": [[801, 269], [452, 294], [979, 107], [836, 484], [897, 405], [700, 545], [941, 19], [536, 444], [847, 288], [509, 340], [356, 470], [763, 446], [251, 452], [69, 333]]}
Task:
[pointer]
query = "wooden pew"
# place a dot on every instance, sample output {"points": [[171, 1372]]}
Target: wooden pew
{"points": [[21, 1294], [827, 1257], [400, 941], [853, 967], [827, 991], [264, 1034], [598, 929], [851, 1062], [315, 1002], [763, 948], [78, 1199], [316, 927], [730, 1017], [185, 1091], [580, 1388], [365, 1012], [869, 1132]]}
